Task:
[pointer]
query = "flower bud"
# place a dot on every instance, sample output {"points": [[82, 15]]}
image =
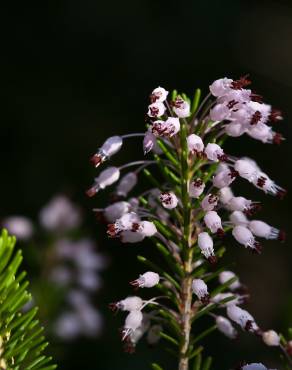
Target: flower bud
{"points": [[147, 280], [209, 202], [271, 338], [156, 110], [126, 184], [239, 204], [225, 326], [224, 276], [201, 290], [168, 200], [147, 228], [110, 147], [196, 188], [242, 318], [205, 243], [195, 144], [167, 128], [254, 366], [243, 235], [214, 152], [106, 178], [132, 237], [213, 222], [158, 95], [149, 142]]}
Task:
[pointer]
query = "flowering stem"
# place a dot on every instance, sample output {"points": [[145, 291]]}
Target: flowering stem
{"points": [[186, 289]]}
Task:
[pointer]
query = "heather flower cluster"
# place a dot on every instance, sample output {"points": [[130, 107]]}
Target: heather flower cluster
{"points": [[186, 213]]}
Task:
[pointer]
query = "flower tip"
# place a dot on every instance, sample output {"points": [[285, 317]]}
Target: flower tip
{"points": [[282, 236], [220, 233], [91, 192], [213, 260], [113, 307], [96, 160], [281, 193]]}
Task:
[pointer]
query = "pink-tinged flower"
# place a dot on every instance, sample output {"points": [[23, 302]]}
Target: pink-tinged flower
{"points": [[168, 200], [205, 243], [147, 280], [220, 112], [221, 87], [201, 290], [110, 147], [225, 326], [242, 204], [263, 230], [195, 144], [255, 366], [242, 318], [156, 110], [215, 153], [209, 202], [124, 223], [181, 108], [196, 188], [244, 236], [167, 128], [158, 95], [149, 142]]}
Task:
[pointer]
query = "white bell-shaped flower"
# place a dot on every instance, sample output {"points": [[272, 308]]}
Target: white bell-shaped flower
{"points": [[214, 152], [147, 280], [243, 318], [158, 95], [126, 184], [196, 188], [116, 210], [110, 147], [244, 236], [132, 303], [181, 108], [271, 338], [263, 230], [213, 222], [167, 128], [132, 323], [238, 218], [156, 110], [220, 112], [106, 178], [246, 169], [209, 202], [195, 144], [225, 326], [224, 276], [168, 199], [234, 129], [201, 290], [224, 178], [220, 87], [205, 243], [225, 194]]}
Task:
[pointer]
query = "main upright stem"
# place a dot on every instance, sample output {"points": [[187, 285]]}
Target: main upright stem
{"points": [[186, 289]]}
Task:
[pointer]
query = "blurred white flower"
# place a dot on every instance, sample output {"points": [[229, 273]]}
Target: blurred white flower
{"points": [[19, 226]]}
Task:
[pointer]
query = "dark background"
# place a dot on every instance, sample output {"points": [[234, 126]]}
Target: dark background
{"points": [[75, 72]]}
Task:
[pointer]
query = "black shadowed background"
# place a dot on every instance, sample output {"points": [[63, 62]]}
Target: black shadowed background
{"points": [[75, 72]]}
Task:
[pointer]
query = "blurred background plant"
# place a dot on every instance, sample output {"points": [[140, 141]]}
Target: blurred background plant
{"points": [[64, 266], [73, 74]]}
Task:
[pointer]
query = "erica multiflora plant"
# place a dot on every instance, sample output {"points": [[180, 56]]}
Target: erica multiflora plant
{"points": [[186, 212]]}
